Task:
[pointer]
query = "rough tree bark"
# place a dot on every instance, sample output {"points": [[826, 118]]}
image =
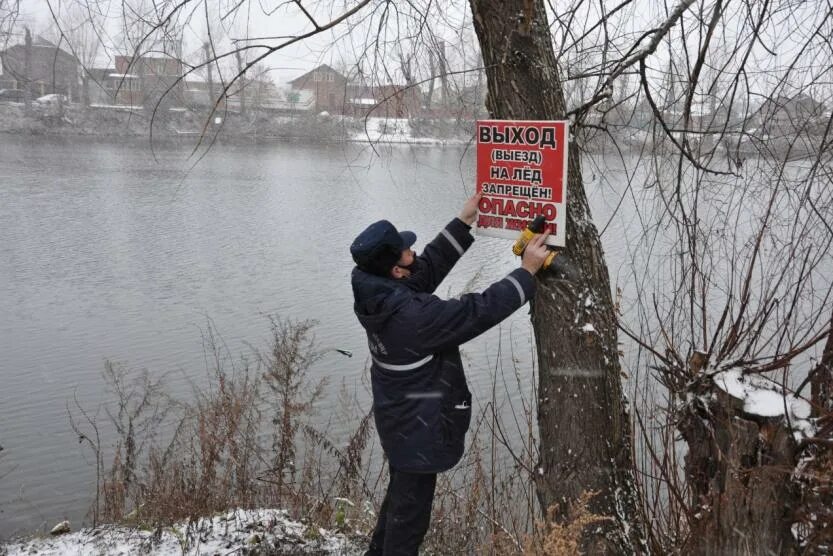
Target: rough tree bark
{"points": [[739, 468], [821, 381], [816, 507], [582, 415], [749, 479]]}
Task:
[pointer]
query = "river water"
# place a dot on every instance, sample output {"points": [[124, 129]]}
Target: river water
{"points": [[116, 252], [113, 251]]}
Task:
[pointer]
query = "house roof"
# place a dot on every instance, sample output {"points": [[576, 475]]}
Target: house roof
{"points": [[322, 67], [789, 104], [39, 42]]}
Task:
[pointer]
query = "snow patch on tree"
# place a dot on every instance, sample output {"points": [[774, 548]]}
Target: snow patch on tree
{"points": [[766, 398]]}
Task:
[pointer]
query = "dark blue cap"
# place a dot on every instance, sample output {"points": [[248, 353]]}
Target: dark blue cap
{"points": [[379, 246]]}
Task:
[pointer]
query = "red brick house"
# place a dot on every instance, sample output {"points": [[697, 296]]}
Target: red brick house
{"points": [[396, 101], [143, 80], [335, 94], [328, 87]]}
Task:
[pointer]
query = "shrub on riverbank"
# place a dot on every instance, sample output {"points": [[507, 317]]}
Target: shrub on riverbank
{"points": [[247, 440]]}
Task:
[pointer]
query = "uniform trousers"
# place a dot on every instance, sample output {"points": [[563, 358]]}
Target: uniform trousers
{"points": [[405, 514]]}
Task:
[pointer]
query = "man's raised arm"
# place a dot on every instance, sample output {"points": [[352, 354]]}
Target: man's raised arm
{"points": [[441, 254]]}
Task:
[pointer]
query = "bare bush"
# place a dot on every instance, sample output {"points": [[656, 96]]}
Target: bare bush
{"points": [[292, 353], [176, 460], [248, 439]]}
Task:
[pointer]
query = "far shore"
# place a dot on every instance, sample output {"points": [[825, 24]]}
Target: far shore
{"points": [[254, 127], [199, 128]]}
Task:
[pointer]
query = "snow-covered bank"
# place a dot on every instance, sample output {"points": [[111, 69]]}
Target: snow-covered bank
{"points": [[397, 130], [236, 532]]}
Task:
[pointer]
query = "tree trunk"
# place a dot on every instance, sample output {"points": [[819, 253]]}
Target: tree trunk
{"points": [[821, 382], [27, 71], [242, 78], [432, 67], [208, 62], [582, 415], [816, 475], [739, 470], [442, 63]]}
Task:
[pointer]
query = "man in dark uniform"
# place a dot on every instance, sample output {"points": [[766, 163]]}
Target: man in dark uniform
{"points": [[421, 403]]}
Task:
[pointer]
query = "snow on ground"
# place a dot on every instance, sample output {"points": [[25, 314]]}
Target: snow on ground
{"points": [[763, 397], [393, 130], [237, 532]]}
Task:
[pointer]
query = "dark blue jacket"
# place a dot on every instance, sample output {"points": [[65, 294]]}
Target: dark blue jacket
{"points": [[421, 403]]}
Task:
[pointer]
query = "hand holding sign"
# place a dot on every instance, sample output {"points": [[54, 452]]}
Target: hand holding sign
{"points": [[469, 211]]}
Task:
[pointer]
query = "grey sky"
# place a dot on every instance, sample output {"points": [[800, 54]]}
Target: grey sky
{"points": [[286, 64], [357, 39]]}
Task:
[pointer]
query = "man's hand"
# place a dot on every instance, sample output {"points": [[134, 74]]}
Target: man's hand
{"points": [[535, 253], [469, 211]]}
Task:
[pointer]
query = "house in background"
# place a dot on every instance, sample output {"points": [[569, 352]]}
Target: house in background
{"points": [[327, 86], [108, 87], [335, 93], [784, 116], [290, 100], [395, 101], [260, 92], [250, 92], [138, 82], [51, 69], [196, 91], [473, 100], [144, 80], [101, 86]]}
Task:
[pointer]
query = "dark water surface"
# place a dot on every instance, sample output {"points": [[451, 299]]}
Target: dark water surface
{"points": [[108, 254]]}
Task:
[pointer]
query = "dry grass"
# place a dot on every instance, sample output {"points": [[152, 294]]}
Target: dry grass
{"points": [[553, 538]]}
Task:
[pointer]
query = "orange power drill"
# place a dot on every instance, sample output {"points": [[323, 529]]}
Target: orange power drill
{"points": [[534, 227]]}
